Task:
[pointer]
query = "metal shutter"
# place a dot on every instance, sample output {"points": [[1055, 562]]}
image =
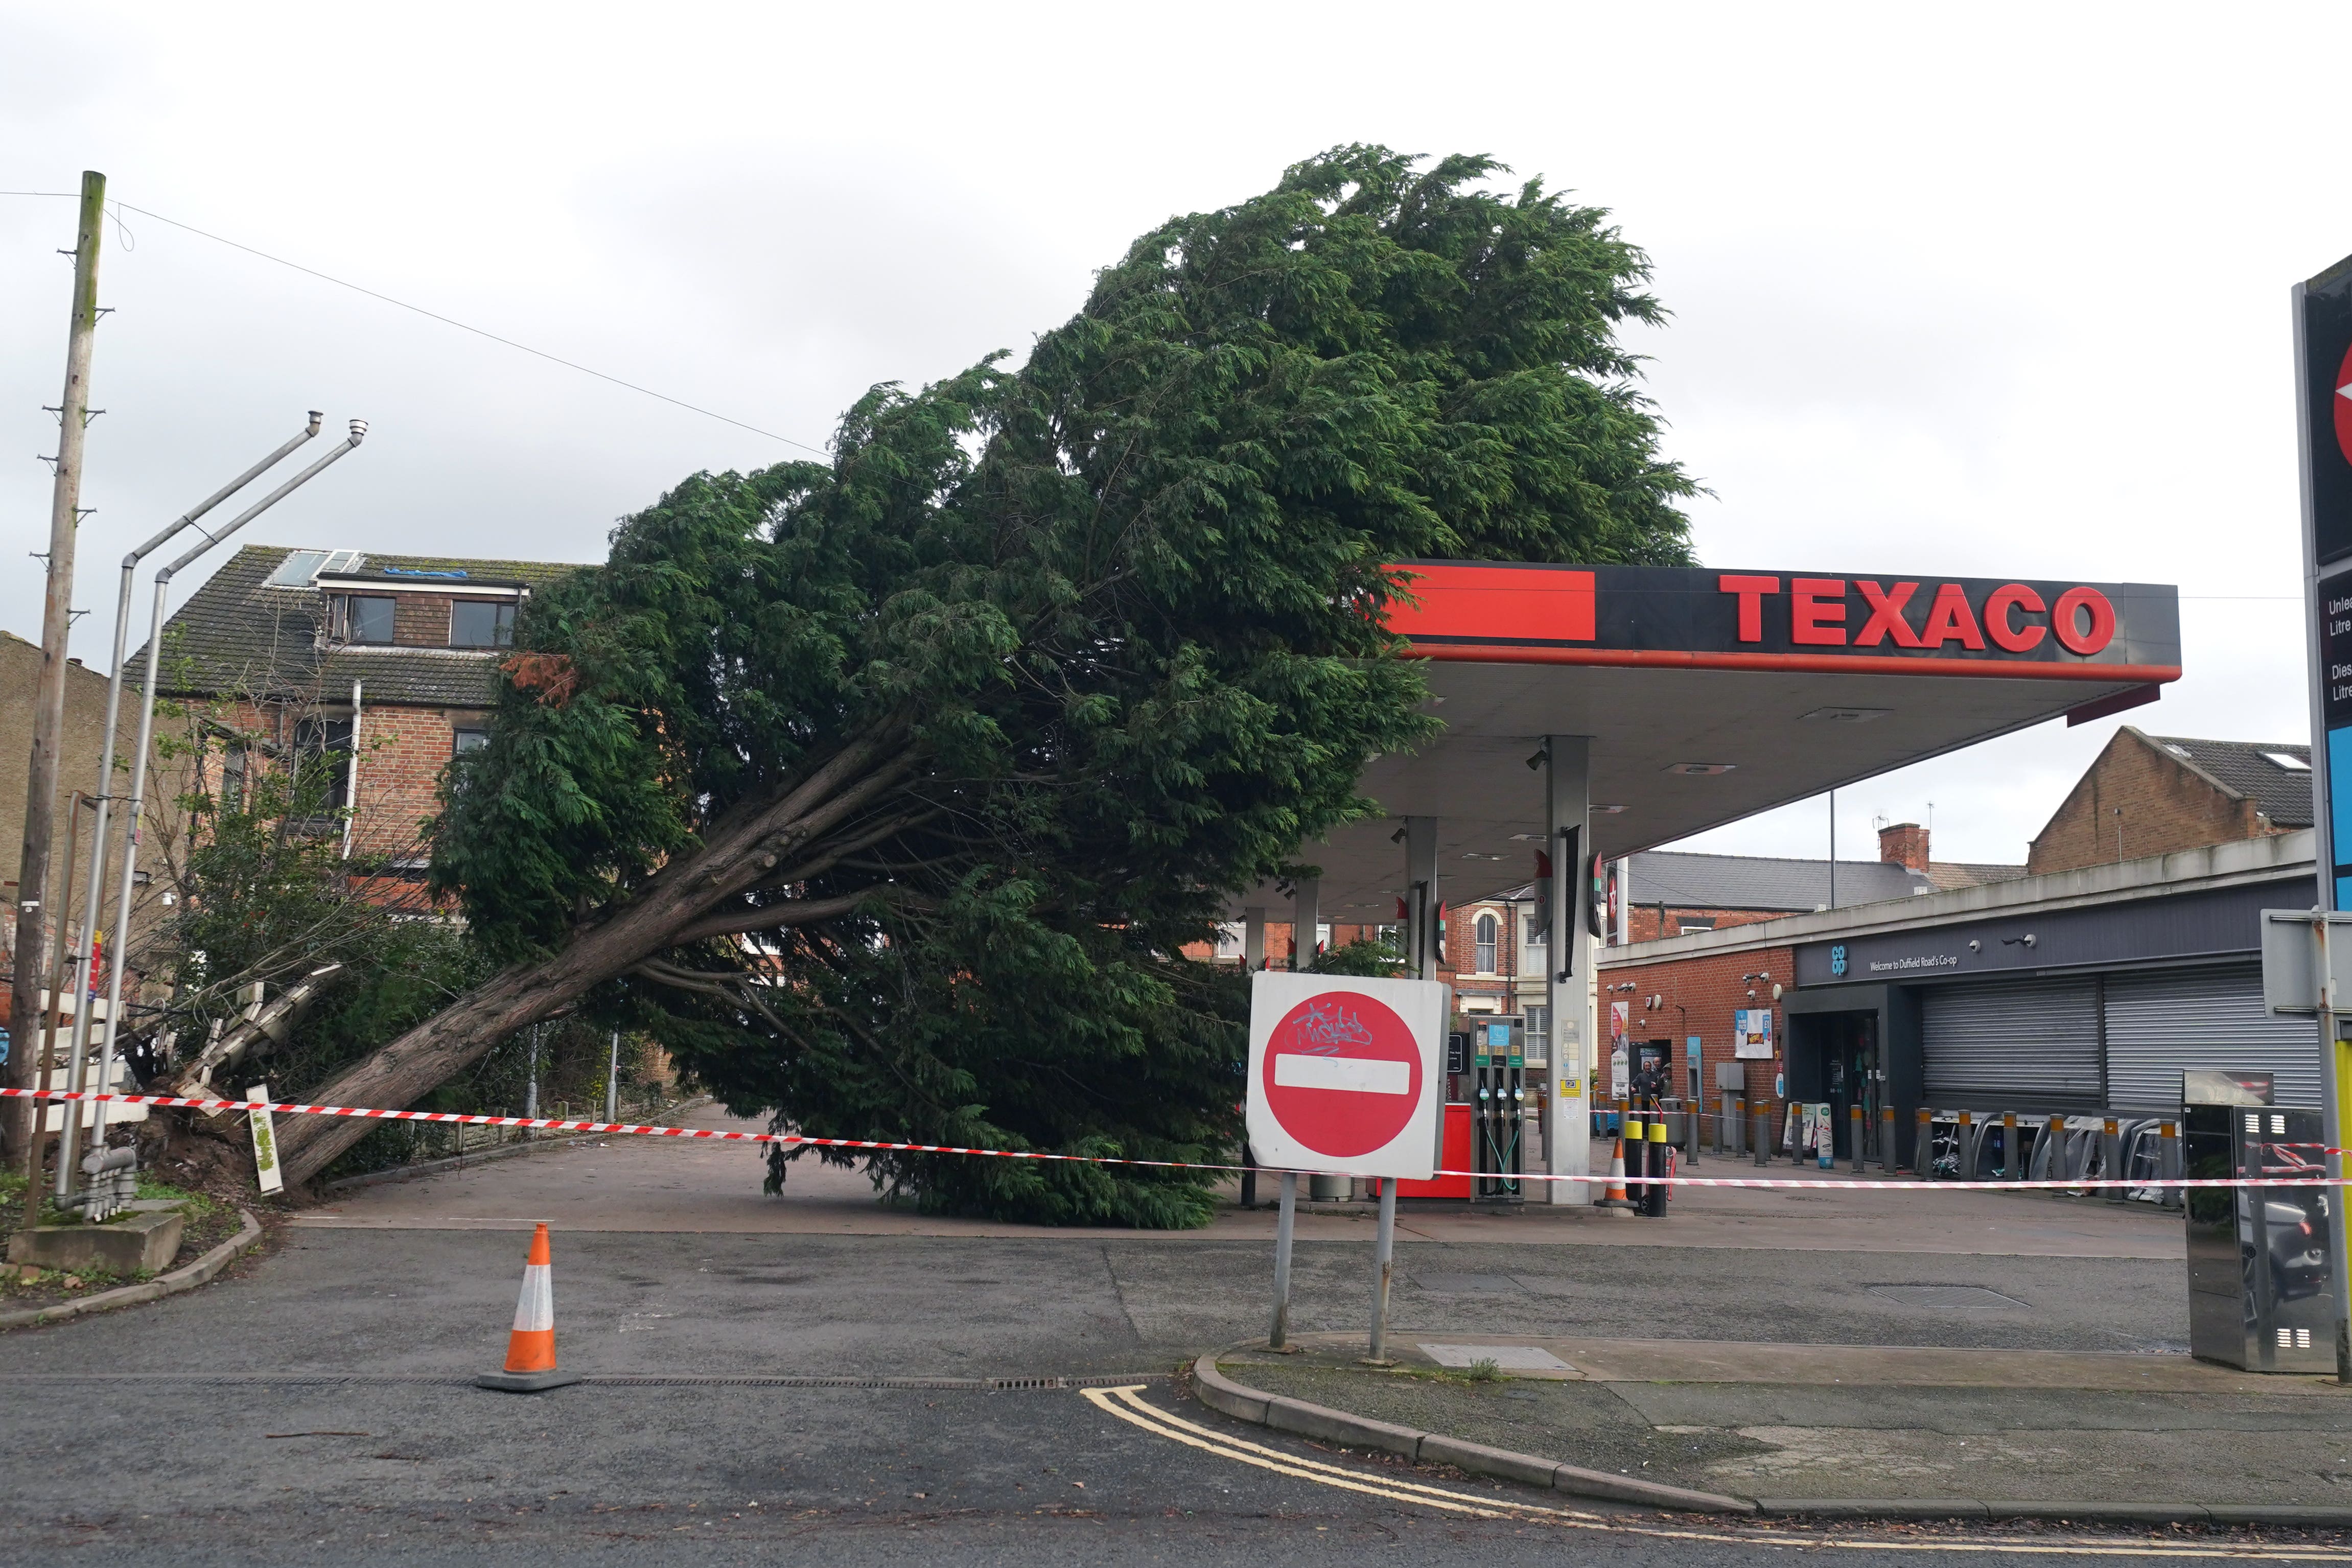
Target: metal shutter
{"points": [[2161, 1022], [2026, 1045]]}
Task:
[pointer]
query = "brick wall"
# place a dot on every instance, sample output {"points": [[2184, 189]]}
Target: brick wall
{"points": [[1903, 844], [420, 619], [1647, 924], [1699, 995], [2164, 807], [402, 753]]}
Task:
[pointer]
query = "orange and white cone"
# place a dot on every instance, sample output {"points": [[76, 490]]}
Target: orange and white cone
{"points": [[1617, 1202], [531, 1347]]}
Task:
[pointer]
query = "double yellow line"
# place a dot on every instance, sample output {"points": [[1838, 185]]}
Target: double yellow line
{"points": [[1128, 1404]]}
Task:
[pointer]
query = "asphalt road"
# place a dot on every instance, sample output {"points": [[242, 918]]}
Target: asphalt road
{"points": [[161, 1435]]}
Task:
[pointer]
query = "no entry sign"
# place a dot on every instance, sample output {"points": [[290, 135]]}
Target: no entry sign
{"points": [[1344, 1073]]}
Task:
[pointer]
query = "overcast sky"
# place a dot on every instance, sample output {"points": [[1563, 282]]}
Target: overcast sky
{"points": [[1981, 291]]}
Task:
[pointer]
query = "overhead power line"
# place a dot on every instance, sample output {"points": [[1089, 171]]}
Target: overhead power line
{"points": [[446, 320]]}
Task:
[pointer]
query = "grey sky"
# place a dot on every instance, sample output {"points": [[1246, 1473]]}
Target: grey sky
{"points": [[1995, 290]]}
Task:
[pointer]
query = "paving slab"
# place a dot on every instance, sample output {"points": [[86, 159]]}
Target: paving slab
{"points": [[1998, 1429]]}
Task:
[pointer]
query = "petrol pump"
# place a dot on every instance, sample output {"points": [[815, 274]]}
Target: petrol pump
{"points": [[1499, 1107]]}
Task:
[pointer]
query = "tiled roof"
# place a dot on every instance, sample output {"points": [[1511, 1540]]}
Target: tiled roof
{"points": [[235, 637], [2244, 768], [1684, 881]]}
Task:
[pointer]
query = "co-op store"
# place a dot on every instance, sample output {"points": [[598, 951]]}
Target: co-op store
{"points": [[1587, 713], [2081, 993]]}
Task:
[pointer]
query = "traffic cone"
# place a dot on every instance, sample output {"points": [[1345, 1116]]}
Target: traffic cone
{"points": [[531, 1348], [1617, 1202]]}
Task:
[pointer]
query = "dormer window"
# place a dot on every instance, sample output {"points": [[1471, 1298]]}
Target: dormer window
{"points": [[480, 623], [359, 618]]}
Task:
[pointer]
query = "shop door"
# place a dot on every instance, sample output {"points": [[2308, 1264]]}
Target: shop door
{"points": [[1853, 1077]]}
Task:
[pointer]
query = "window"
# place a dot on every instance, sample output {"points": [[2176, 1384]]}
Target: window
{"points": [[1489, 931], [478, 623], [1538, 1046], [2289, 760], [321, 742], [232, 788], [296, 569], [466, 740], [359, 618], [302, 567]]}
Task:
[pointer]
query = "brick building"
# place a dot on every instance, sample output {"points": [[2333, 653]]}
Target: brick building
{"points": [[2151, 794], [2083, 990], [79, 746], [388, 663]]}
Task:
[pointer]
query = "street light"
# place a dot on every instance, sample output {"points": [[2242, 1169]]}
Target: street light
{"points": [[77, 966], [146, 734]]}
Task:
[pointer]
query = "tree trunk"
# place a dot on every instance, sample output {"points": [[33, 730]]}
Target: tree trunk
{"points": [[736, 856]]}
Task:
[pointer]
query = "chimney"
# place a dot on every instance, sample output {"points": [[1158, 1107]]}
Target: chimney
{"points": [[1903, 844]]}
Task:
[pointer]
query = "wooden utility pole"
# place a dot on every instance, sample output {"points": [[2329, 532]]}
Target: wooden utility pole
{"points": [[34, 903]]}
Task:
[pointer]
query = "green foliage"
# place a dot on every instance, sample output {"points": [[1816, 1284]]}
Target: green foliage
{"points": [[265, 894], [1365, 957], [1106, 628]]}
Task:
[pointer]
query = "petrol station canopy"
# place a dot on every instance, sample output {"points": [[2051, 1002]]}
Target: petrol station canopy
{"points": [[1710, 695]]}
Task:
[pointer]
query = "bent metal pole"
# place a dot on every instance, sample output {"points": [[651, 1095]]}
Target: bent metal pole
{"points": [[146, 735], [78, 964]]}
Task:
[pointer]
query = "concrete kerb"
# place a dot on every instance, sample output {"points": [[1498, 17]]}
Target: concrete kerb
{"points": [[1220, 1392], [1260, 1408], [187, 1277]]}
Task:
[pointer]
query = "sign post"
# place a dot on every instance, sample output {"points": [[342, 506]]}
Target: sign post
{"points": [[1345, 1078], [2322, 366]]}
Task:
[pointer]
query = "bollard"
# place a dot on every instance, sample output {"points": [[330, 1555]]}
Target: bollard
{"points": [[2009, 1168], [1661, 1164], [1761, 1134], [2168, 1160], [1923, 1145], [1637, 1160], [1886, 1140], [2054, 1139], [1965, 1137], [2112, 1147], [1734, 1120], [1693, 1112], [1853, 1134]]}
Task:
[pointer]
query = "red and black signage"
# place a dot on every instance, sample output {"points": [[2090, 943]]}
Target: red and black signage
{"points": [[1879, 622], [2327, 353]]}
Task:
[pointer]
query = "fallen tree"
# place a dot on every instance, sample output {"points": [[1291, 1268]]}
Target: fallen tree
{"points": [[888, 790]]}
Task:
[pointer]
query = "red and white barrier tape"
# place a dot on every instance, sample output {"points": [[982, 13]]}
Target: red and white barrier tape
{"points": [[561, 1124]]}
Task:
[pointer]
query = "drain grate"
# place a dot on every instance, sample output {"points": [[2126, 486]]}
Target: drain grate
{"points": [[1945, 1298]]}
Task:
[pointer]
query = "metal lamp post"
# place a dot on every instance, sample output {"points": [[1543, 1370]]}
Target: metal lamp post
{"points": [[146, 735], [77, 966]]}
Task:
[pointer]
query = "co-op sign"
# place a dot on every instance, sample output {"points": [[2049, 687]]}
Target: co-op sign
{"points": [[1800, 621]]}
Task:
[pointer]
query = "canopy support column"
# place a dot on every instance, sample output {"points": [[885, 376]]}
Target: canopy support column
{"points": [[1569, 959]]}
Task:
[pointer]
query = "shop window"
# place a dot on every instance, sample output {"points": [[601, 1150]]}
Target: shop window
{"points": [[480, 624], [359, 618], [1489, 931]]}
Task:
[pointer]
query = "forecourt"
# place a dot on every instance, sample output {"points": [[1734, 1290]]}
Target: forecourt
{"points": [[1590, 712]]}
